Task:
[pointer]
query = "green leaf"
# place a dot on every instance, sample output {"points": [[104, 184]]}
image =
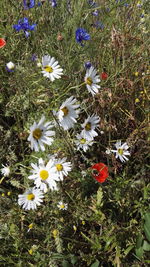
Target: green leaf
{"points": [[95, 264], [139, 252], [145, 193], [147, 232], [109, 241], [139, 241], [99, 197], [66, 264], [146, 246], [57, 256], [74, 259], [128, 249], [147, 219]]}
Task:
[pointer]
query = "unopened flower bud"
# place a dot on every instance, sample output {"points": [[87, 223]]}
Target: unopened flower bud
{"points": [[59, 37]]}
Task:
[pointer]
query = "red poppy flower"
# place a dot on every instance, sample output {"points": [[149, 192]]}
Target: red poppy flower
{"points": [[2, 42], [104, 76], [102, 172]]}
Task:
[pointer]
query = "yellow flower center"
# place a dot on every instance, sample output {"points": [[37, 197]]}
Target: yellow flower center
{"points": [[62, 206], [65, 111], [37, 133], [30, 196], [44, 174], [82, 141], [59, 167], [74, 228], [30, 251], [89, 81], [120, 151], [48, 69], [30, 226], [88, 126], [55, 233]]}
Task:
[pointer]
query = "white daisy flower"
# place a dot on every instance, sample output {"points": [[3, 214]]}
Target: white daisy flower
{"points": [[40, 135], [51, 69], [121, 151], [31, 199], [89, 126], [10, 66], [83, 143], [67, 113], [43, 175], [5, 170], [91, 80], [62, 206], [62, 168]]}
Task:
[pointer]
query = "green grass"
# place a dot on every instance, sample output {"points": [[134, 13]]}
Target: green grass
{"points": [[103, 221]]}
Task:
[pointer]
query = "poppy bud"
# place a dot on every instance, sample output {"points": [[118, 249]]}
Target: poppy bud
{"points": [[104, 76], [59, 37]]}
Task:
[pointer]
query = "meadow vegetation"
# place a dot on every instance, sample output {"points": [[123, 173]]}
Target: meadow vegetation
{"points": [[84, 222]]}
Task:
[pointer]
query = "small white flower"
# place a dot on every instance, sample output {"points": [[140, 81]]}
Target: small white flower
{"points": [[62, 168], [144, 30], [82, 142], [62, 206], [67, 113], [142, 20], [40, 135], [39, 64], [121, 151], [51, 69], [5, 170], [31, 199], [108, 151], [83, 173], [43, 175], [89, 126], [91, 80], [10, 66]]}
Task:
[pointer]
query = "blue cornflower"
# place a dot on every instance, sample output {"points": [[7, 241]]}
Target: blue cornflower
{"points": [[142, 15], [87, 64], [95, 13], [28, 4], [23, 24], [34, 57], [54, 3], [82, 35], [39, 4], [92, 4]]}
